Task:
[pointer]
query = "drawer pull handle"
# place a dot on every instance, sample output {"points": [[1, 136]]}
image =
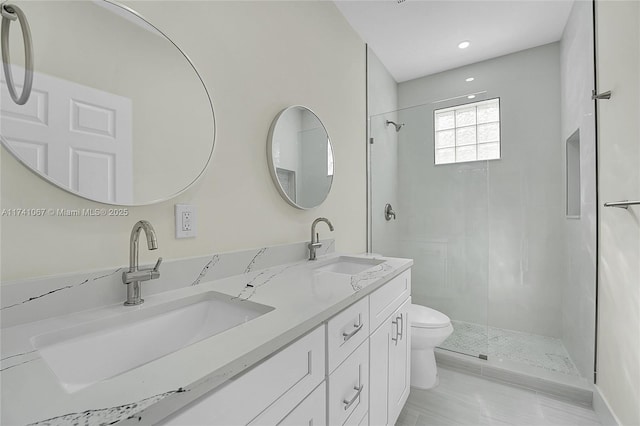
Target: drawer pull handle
{"points": [[349, 403], [395, 339], [401, 332], [348, 336]]}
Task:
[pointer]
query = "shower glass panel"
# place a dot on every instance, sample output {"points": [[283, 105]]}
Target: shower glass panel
{"points": [[442, 216]]}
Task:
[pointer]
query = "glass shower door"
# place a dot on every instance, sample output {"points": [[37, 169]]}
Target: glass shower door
{"points": [[441, 221]]}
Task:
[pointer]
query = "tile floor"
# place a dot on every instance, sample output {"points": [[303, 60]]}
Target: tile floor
{"points": [[462, 399], [534, 350]]}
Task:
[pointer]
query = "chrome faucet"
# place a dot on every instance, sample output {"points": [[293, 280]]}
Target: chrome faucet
{"points": [[315, 237], [133, 277]]}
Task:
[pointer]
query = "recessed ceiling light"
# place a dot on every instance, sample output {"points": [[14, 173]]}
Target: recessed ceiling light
{"points": [[469, 79], [464, 44], [471, 96]]}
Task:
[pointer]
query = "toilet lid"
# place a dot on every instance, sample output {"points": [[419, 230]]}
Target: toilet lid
{"points": [[424, 317]]}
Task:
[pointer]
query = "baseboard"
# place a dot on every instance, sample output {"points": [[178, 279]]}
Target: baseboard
{"points": [[572, 390], [603, 409]]}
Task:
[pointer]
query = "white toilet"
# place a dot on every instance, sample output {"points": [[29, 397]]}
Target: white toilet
{"points": [[429, 328]]}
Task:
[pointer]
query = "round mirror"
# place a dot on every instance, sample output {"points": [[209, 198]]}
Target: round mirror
{"points": [[300, 157], [117, 112]]}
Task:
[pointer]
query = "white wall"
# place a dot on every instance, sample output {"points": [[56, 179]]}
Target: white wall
{"points": [[618, 60], [522, 226], [579, 287], [256, 58], [383, 153]]}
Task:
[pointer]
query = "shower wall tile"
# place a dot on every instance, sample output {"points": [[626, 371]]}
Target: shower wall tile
{"points": [[578, 293], [488, 237]]}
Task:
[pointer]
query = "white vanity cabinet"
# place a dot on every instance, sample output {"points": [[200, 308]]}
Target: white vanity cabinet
{"points": [[353, 370], [390, 351]]}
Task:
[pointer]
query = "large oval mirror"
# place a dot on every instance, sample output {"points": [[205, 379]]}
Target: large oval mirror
{"points": [[117, 113], [300, 157]]}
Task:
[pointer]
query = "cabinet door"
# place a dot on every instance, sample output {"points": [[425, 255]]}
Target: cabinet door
{"points": [[399, 361], [379, 374]]}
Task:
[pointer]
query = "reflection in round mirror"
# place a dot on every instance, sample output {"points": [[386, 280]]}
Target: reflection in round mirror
{"points": [[117, 113], [300, 157]]}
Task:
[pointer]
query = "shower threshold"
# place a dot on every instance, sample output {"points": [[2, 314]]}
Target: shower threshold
{"points": [[532, 361]]}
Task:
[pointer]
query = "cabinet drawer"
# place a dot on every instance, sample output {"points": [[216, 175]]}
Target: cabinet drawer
{"points": [[348, 398], [346, 331], [285, 378], [384, 301], [311, 411]]}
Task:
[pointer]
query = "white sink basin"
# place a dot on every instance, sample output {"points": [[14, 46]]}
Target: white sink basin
{"points": [[91, 352], [349, 265]]}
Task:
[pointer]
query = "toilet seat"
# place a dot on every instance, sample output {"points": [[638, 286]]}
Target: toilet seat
{"points": [[423, 317]]}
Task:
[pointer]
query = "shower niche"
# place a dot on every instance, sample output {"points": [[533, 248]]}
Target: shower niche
{"points": [[573, 176]]}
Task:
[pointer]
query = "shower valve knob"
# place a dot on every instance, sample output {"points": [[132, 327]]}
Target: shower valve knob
{"points": [[389, 213]]}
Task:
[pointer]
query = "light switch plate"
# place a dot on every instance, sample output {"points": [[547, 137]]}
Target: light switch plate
{"points": [[185, 221]]}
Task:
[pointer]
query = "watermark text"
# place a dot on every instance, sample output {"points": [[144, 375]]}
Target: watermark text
{"points": [[63, 212]]}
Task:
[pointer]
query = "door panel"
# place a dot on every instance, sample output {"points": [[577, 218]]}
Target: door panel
{"points": [[78, 136]]}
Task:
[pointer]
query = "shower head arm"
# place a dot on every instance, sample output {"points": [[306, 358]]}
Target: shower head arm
{"points": [[397, 126]]}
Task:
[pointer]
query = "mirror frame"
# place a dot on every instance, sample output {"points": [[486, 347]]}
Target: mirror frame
{"points": [[6, 146], [272, 166]]}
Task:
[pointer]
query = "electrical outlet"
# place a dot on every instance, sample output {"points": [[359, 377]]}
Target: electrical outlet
{"points": [[185, 221], [187, 225]]}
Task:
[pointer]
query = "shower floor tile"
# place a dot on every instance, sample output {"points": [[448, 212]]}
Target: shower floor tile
{"points": [[534, 350]]}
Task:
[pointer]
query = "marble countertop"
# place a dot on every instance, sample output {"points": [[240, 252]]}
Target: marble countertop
{"points": [[302, 297]]}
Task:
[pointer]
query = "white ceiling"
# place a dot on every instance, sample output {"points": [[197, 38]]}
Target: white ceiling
{"points": [[414, 38]]}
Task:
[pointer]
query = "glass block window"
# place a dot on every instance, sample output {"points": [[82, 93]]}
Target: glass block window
{"points": [[468, 132]]}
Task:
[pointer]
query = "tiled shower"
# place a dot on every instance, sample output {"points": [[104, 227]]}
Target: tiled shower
{"points": [[498, 245]]}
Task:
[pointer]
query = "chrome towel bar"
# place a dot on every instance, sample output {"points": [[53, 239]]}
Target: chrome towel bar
{"points": [[595, 96], [624, 204]]}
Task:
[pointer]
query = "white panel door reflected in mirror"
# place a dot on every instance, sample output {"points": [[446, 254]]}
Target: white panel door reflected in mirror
{"points": [[300, 157]]}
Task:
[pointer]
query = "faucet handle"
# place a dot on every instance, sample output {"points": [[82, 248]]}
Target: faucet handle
{"points": [[157, 267], [155, 272]]}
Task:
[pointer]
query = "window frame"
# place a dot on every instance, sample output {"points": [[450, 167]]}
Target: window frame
{"points": [[461, 106]]}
